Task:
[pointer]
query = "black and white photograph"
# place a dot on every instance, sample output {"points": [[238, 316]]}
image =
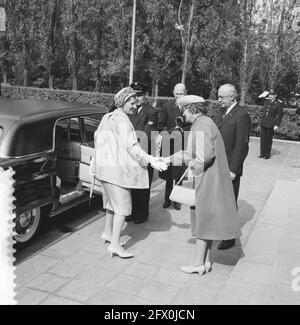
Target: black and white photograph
{"points": [[149, 155]]}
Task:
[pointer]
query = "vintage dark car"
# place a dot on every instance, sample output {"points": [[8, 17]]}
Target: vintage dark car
{"points": [[49, 145]]}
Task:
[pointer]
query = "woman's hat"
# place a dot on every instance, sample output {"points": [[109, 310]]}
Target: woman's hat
{"points": [[123, 95], [190, 99]]}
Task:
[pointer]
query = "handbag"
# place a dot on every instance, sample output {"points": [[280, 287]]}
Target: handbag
{"points": [[183, 195]]}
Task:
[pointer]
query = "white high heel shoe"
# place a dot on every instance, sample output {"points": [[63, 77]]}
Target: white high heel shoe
{"points": [[107, 240], [114, 251], [193, 269]]}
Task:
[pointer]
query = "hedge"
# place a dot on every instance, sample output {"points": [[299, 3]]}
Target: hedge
{"points": [[289, 128]]}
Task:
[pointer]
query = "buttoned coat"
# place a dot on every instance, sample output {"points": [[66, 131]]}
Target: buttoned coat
{"points": [[235, 130], [272, 113], [145, 121], [120, 160], [216, 211]]}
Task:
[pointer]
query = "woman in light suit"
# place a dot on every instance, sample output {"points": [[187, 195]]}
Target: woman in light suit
{"points": [[121, 165], [215, 215]]}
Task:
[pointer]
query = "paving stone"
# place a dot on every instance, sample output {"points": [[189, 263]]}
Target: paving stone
{"points": [[127, 284], [26, 296], [47, 282], [173, 278], [97, 275], [193, 296], [162, 292], [31, 268], [85, 257], [108, 296], [140, 270], [78, 291], [67, 270], [58, 301]]}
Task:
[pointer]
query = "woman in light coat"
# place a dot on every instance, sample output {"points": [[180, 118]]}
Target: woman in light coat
{"points": [[215, 216], [121, 165]]}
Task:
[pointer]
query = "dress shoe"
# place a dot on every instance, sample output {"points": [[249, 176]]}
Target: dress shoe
{"points": [[226, 244], [177, 206], [115, 251], [129, 218], [260, 156], [193, 269], [138, 221], [166, 204], [267, 157]]}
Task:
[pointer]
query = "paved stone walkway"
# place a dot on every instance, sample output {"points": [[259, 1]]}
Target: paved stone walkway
{"points": [[78, 269]]}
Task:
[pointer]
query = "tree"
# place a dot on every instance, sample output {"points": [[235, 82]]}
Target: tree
{"points": [[248, 37], [156, 46], [215, 35], [51, 33], [188, 34], [279, 39]]}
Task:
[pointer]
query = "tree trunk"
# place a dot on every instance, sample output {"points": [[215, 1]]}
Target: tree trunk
{"points": [[74, 81], [184, 65], [25, 77], [214, 91], [244, 91], [51, 79], [4, 76]]}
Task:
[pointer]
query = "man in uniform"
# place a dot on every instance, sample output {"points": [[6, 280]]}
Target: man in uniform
{"points": [[144, 120], [270, 122]]}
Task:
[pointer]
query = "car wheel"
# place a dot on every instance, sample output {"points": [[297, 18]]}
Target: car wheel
{"points": [[27, 225]]}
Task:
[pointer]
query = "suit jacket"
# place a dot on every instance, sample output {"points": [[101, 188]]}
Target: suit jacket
{"points": [[272, 113], [235, 130], [167, 122], [167, 116], [146, 121]]}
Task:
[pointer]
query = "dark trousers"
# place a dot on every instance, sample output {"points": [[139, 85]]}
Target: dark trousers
{"points": [[140, 200], [236, 187], [266, 140], [169, 187]]}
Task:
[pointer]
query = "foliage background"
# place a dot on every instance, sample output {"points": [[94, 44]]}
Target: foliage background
{"points": [[85, 45], [289, 128]]}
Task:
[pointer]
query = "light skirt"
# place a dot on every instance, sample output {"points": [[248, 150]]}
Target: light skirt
{"points": [[116, 199]]}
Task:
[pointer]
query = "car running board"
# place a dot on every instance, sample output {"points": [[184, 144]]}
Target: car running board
{"points": [[69, 200]]}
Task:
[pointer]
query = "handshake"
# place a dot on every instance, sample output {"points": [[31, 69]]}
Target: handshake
{"points": [[159, 163]]}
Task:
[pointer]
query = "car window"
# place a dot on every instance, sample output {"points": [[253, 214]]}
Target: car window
{"points": [[90, 127], [68, 130]]}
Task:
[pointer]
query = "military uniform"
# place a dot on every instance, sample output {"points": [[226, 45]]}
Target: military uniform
{"points": [[144, 120], [272, 115]]}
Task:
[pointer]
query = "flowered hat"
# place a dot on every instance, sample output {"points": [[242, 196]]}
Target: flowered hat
{"points": [[123, 95]]}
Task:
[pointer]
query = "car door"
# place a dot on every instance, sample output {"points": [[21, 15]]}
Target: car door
{"points": [[89, 126]]}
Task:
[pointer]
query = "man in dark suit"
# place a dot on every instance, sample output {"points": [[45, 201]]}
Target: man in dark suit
{"points": [[270, 122], [144, 121], [234, 124], [168, 114]]}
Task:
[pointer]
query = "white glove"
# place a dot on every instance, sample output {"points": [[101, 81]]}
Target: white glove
{"points": [[157, 164], [275, 128]]}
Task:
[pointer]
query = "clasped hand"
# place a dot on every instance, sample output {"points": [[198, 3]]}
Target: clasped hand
{"points": [[158, 164]]}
